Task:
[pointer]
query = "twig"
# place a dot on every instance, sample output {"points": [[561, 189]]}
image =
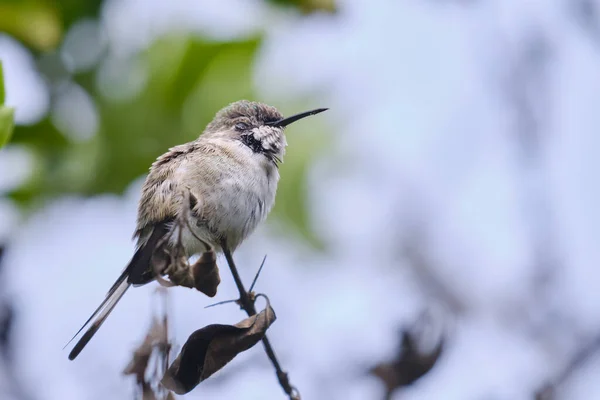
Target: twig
{"points": [[577, 361], [414, 252], [262, 264], [247, 303], [220, 303], [250, 292]]}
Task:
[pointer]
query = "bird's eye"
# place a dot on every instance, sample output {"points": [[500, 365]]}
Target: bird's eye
{"points": [[241, 126]]}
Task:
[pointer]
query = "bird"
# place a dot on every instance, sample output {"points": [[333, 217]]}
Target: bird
{"points": [[203, 197]]}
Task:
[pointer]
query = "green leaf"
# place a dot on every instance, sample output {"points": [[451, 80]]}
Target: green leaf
{"points": [[6, 124], [308, 6], [72, 11], [188, 80], [6, 114], [227, 78], [1, 84], [42, 136], [35, 23]]}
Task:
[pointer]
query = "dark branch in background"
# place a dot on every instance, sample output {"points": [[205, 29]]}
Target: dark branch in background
{"points": [[13, 388], [526, 92], [7, 316], [414, 251], [528, 96], [577, 361], [587, 17], [246, 301], [6, 322]]}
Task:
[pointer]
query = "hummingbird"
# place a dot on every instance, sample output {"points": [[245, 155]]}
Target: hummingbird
{"points": [[222, 184]]}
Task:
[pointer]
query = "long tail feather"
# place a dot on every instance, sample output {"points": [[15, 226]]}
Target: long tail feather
{"points": [[103, 312], [139, 271], [108, 296]]}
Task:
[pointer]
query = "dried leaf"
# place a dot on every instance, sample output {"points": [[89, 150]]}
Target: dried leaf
{"points": [[148, 392], [156, 336], [203, 275], [149, 360], [206, 274], [547, 392], [170, 396], [409, 365], [209, 349]]}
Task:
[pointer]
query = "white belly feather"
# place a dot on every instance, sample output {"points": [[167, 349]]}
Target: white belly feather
{"points": [[233, 206]]}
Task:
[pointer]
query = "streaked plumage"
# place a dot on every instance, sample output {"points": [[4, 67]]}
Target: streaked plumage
{"points": [[231, 175]]}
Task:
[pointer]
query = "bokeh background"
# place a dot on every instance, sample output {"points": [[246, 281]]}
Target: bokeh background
{"points": [[449, 196]]}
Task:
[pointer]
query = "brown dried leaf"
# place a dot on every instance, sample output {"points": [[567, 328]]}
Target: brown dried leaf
{"points": [[203, 275], [170, 396], [148, 392], [206, 274], [409, 365], [157, 335], [547, 392], [209, 349], [149, 360]]}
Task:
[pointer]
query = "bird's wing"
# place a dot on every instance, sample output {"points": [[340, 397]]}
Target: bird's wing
{"points": [[162, 190]]}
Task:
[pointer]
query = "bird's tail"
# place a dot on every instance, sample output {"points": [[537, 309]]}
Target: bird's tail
{"points": [[140, 270], [113, 296]]}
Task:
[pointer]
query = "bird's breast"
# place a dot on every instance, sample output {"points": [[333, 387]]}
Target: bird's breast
{"points": [[238, 193]]}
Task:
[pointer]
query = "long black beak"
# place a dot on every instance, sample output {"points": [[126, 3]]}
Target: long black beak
{"points": [[286, 121]]}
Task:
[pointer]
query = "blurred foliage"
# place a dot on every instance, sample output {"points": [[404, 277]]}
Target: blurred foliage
{"points": [[135, 107], [187, 79], [35, 23], [292, 193], [308, 6], [40, 24], [6, 114]]}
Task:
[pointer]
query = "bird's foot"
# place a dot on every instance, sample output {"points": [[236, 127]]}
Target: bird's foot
{"points": [[179, 270]]}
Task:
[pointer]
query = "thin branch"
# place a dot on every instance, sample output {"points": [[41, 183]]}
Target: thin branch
{"points": [[221, 303], [262, 264], [413, 250], [577, 361], [247, 303]]}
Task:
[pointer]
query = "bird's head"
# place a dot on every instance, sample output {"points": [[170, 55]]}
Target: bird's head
{"points": [[256, 125]]}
